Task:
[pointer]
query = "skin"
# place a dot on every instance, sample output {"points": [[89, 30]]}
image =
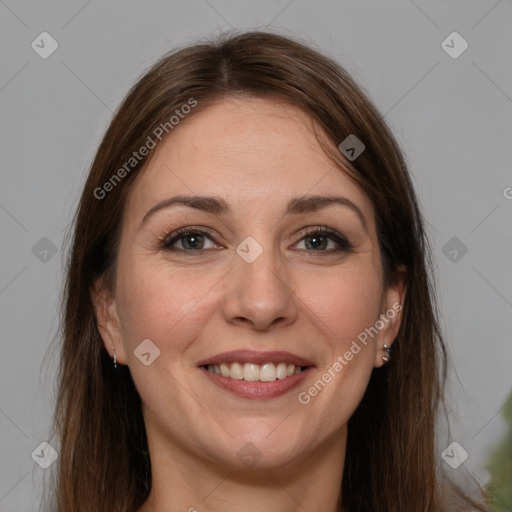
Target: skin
{"points": [[256, 154]]}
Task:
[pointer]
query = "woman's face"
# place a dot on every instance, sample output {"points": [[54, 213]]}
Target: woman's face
{"points": [[254, 275]]}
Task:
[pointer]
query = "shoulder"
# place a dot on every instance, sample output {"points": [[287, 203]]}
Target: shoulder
{"points": [[454, 499]]}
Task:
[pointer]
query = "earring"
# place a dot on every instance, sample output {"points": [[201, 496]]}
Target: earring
{"points": [[388, 355], [115, 357]]}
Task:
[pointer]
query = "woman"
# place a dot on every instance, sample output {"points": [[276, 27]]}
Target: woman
{"points": [[248, 317]]}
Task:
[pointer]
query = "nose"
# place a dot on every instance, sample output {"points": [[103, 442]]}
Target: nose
{"points": [[259, 294]]}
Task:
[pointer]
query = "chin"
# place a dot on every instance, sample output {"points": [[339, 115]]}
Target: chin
{"points": [[260, 452]]}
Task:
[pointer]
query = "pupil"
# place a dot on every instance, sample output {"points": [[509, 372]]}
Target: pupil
{"points": [[315, 241], [192, 237]]}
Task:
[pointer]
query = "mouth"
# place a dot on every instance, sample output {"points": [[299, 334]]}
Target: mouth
{"points": [[249, 374], [267, 372]]}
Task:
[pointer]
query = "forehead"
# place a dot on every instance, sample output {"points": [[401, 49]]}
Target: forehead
{"points": [[256, 153]]}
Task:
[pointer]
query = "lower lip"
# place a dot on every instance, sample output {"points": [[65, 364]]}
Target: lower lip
{"points": [[257, 390]]}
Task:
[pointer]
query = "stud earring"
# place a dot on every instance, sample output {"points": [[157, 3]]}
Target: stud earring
{"points": [[388, 355]]}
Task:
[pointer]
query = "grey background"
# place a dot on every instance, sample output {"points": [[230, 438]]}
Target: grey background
{"points": [[452, 117]]}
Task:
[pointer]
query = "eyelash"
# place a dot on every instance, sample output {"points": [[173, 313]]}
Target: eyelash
{"points": [[169, 240]]}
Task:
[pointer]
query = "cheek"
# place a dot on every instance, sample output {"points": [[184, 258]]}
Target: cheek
{"points": [[343, 305], [162, 305], [346, 300]]}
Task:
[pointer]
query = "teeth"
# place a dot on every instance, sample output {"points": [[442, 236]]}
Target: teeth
{"points": [[236, 372], [267, 372], [251, 371], [281, 370], [224, 370]]}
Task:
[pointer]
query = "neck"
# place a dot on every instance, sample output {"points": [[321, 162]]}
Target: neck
{"points": [[182, 482]]}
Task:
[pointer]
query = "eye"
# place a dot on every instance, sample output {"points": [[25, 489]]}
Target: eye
{"points": [[318, 239], [191, 239]]}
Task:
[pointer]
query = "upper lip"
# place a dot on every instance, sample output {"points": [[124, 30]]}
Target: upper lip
{"points": [[250, 356]]}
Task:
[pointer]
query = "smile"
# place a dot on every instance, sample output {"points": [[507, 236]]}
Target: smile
{"points": [[256, 375], [267, 372]]}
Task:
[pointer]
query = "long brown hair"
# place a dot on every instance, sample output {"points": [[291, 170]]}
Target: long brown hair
{"points": [[391, 463]]}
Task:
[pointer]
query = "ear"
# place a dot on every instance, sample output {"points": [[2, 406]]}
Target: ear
{"points": [[392, 305], [107, 319]]}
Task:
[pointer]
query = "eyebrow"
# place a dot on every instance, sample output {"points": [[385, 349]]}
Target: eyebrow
{"points": [[296, 206]]}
